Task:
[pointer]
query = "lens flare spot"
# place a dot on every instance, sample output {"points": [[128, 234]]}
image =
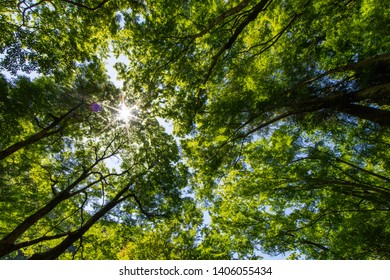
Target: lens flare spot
{"points": [[124, 112]]}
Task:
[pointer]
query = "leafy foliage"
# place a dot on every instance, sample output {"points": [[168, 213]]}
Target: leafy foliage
{"points": [[280, 113]]}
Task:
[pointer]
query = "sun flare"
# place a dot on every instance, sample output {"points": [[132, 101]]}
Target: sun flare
{"points": [[120, 115], [124, 112]]}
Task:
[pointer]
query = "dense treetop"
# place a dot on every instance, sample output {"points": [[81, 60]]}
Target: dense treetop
{"points": [[281, 116]]}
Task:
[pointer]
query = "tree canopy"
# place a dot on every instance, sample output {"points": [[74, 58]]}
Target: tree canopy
{"points": [[280, 113]]}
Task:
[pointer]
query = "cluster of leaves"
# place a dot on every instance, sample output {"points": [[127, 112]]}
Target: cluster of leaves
{"points": [[284, 112], [55, 153], [282, 108]]}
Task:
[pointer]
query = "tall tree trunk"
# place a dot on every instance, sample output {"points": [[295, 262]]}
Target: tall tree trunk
{"points": [[7, 243], [56, 251], [347, 103], [378, 116], [44, 133]]}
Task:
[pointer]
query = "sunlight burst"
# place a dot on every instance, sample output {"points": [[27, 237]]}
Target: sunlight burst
{"points": [[123, 116], [124, 112]]}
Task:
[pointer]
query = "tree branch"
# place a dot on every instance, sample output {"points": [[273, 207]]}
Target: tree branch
{"points": [[347, 67], [44, 133], [101, 4], [39, 240], [56, 251], [240, 6], [33, 218], [274, 39], [362, 169], [251, 17]]}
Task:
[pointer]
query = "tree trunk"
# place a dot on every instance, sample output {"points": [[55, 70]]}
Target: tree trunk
{"points": [[378, 116], [7, 243], [346, 103], [56, 251], [44, 133]]}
